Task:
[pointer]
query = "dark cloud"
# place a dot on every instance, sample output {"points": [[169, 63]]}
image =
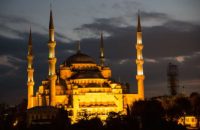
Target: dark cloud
{"points": [[7, 22], [181, 26], [154, 16], [7, 29], [12, 19]]}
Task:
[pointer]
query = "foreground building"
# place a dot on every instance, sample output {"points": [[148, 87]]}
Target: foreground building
{"points": [[80, 85]]}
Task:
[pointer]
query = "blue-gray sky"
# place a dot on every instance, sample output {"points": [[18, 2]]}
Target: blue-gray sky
{"points": [[171, 33]]}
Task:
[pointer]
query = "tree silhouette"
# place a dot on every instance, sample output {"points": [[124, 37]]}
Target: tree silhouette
{"points": [[84, 124], [114, 121], [151, 116], [182, 106], [195, 102], [61, 121]]}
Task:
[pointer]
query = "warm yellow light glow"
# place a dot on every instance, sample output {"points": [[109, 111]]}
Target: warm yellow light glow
{"points": [[140, 72], [188, 121], [139, 41], [93, 97], [140, 62], [139, 37], [140, 57], [50, 55], [15, 123]]}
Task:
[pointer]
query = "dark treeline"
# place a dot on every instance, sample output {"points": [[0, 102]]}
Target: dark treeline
{"points": [[159, 113]]}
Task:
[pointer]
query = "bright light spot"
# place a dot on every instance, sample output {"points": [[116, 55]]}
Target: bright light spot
{"points": [[15, 123], [180, 59], [140, 72], [140, 57], [140, 41]]}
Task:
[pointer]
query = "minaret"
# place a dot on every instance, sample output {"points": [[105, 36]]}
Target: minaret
{"points": [[52, 61], [139, 61], [30, 71], [102, 59]]}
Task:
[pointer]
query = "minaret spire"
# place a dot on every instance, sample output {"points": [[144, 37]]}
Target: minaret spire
{"points": [[30, 71], [30, 50], [52, 60], [139, 61], [102, 58], [79, 47], [51, 27], [139, 29]]}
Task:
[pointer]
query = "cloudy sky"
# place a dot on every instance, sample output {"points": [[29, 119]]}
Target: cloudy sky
{"points": [[171, 33]]}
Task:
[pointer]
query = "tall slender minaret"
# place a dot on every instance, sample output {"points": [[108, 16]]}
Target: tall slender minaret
{"points": [[102, 58], [139, 61], [52, 61], [30, 71]]}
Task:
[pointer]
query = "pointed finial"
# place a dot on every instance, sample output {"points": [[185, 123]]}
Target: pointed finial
{"points": [[101, 51], [102, 40], [30, 51], [30, 37], [51, 25], [139, 29], [79, 47], [119, 79], [101, 47]]}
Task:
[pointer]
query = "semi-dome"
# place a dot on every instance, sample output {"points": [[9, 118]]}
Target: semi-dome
{"points": [[79, 58]]}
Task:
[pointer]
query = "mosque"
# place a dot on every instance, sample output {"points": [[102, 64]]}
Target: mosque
{"points": [[80, 85]]}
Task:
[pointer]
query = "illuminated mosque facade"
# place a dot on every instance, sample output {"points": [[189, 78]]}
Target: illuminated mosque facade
{"points": [[81, 85]]}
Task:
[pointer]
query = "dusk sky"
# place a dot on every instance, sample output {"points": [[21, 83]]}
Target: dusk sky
{"points": [[171, 33]]}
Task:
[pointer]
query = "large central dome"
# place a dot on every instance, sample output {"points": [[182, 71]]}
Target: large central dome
{"points": [[80, 58]]}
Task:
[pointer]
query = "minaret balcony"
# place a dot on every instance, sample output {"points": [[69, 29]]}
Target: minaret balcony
{"points": [[52, 60], [139, 46], [30, 83], [30, 57], [140, 77], [30, 70], [140, 61], [52, 44]]}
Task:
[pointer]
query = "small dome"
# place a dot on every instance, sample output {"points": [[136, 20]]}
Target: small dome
{"points": [[79, 58]]}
